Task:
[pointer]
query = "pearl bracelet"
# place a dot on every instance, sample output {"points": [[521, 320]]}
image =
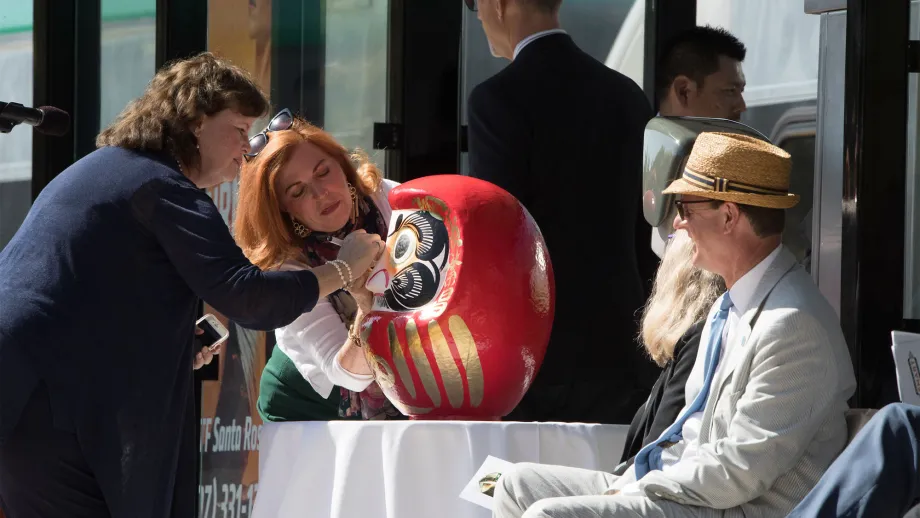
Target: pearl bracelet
{"points": [[338, 268], [351, 278]]}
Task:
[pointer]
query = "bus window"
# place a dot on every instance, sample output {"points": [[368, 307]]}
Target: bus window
{"points": [[127, 59], [798, 233]]}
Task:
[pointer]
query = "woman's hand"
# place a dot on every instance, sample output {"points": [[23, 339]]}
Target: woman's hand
{"points": [[362, 295], [361, 250], [205, 356]]}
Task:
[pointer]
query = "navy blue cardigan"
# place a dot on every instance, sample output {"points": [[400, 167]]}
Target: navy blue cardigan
{"points": [[99, 291]]}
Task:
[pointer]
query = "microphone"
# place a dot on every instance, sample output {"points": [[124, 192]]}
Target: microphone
{"points": [[45, 119]]}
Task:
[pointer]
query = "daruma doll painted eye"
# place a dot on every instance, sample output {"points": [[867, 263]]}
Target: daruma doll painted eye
{"points": [[463, 300]]}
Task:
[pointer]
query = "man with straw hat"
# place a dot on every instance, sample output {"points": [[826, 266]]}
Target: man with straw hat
{"points": [[765, 402]]}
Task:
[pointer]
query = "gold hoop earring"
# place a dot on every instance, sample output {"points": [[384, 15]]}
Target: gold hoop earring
{"points": [[300, 229], [354, 201]]}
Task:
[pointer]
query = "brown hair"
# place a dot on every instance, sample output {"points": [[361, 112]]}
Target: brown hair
{"points": [[178, 96], [261, 229], [681, 296], [765, 221]]}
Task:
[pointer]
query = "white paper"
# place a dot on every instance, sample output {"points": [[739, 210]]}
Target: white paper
{"points": [[906, 350], [471, 492]]}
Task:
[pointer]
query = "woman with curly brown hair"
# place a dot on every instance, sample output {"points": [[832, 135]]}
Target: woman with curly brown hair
{"points": [[99, 293]]}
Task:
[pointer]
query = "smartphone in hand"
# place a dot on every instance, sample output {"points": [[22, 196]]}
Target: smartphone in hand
{"points": [[214, 333]]}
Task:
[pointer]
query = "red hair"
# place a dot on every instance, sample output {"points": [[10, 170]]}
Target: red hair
{"points": [[262, 230]]}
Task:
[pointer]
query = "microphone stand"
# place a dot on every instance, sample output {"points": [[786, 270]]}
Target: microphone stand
{"points": [[6, 125]]}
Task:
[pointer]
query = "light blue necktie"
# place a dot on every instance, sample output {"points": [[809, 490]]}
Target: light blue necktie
{"points": [[649, 457]]}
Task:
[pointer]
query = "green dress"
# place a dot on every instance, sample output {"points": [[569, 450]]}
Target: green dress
{"points": [[285, 395]]}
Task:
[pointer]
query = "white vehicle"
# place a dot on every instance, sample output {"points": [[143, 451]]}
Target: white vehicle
{"points": [[781, 69]]}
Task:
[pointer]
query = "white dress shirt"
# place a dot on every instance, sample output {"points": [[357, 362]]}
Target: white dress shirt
{"points": [[741, 294], [533, 37]]}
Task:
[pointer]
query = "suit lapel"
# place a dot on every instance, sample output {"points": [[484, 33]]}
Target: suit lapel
{"points": [[737, 349]]}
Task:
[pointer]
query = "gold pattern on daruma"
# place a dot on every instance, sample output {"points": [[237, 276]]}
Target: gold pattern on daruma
{"points": [[469, 356], [399, 358], [422, 365], [445, 363], [450, 373]]}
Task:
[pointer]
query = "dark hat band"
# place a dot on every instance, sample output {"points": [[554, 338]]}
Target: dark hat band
{"points": [[716, 184]]}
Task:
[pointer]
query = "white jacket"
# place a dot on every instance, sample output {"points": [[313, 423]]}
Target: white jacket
{"points": [[774, 419]]}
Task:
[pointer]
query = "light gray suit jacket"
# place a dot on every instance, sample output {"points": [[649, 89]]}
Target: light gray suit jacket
{"points": [[774, 420]]}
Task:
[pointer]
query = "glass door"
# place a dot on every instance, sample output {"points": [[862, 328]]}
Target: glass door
{"points": [[327, 61], [127, 58]]}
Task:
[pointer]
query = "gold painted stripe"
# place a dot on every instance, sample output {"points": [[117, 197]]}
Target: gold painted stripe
{"points": [[422, 365], [383, 373], [399, 359], [469, 356], [450, 373]]}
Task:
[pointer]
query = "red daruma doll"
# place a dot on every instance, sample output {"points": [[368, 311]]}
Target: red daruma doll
{"points": [[463, 301]]}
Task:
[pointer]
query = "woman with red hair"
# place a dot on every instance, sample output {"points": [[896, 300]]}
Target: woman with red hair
{"points": [[300, 192]]}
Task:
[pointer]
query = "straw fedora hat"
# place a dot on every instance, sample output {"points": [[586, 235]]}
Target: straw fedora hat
{"points": [[738, 168]]}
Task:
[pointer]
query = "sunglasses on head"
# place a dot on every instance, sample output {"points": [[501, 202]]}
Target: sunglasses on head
{"points": [[470, 4], [280, 122]]}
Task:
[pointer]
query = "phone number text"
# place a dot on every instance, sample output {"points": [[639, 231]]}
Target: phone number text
{"points": [[226, 500]]}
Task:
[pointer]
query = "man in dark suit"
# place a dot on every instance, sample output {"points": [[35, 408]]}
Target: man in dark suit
{"points": [[563, 133]]}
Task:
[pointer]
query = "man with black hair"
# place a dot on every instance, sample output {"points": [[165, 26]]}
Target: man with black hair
{"points": [[699, 75]]}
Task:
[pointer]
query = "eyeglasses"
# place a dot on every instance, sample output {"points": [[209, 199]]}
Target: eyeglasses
{"points": [[470, 4], [280, 122], [680, 206]]}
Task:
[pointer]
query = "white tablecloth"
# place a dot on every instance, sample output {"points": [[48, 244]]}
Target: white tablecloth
{"points": [[405, 469]]}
